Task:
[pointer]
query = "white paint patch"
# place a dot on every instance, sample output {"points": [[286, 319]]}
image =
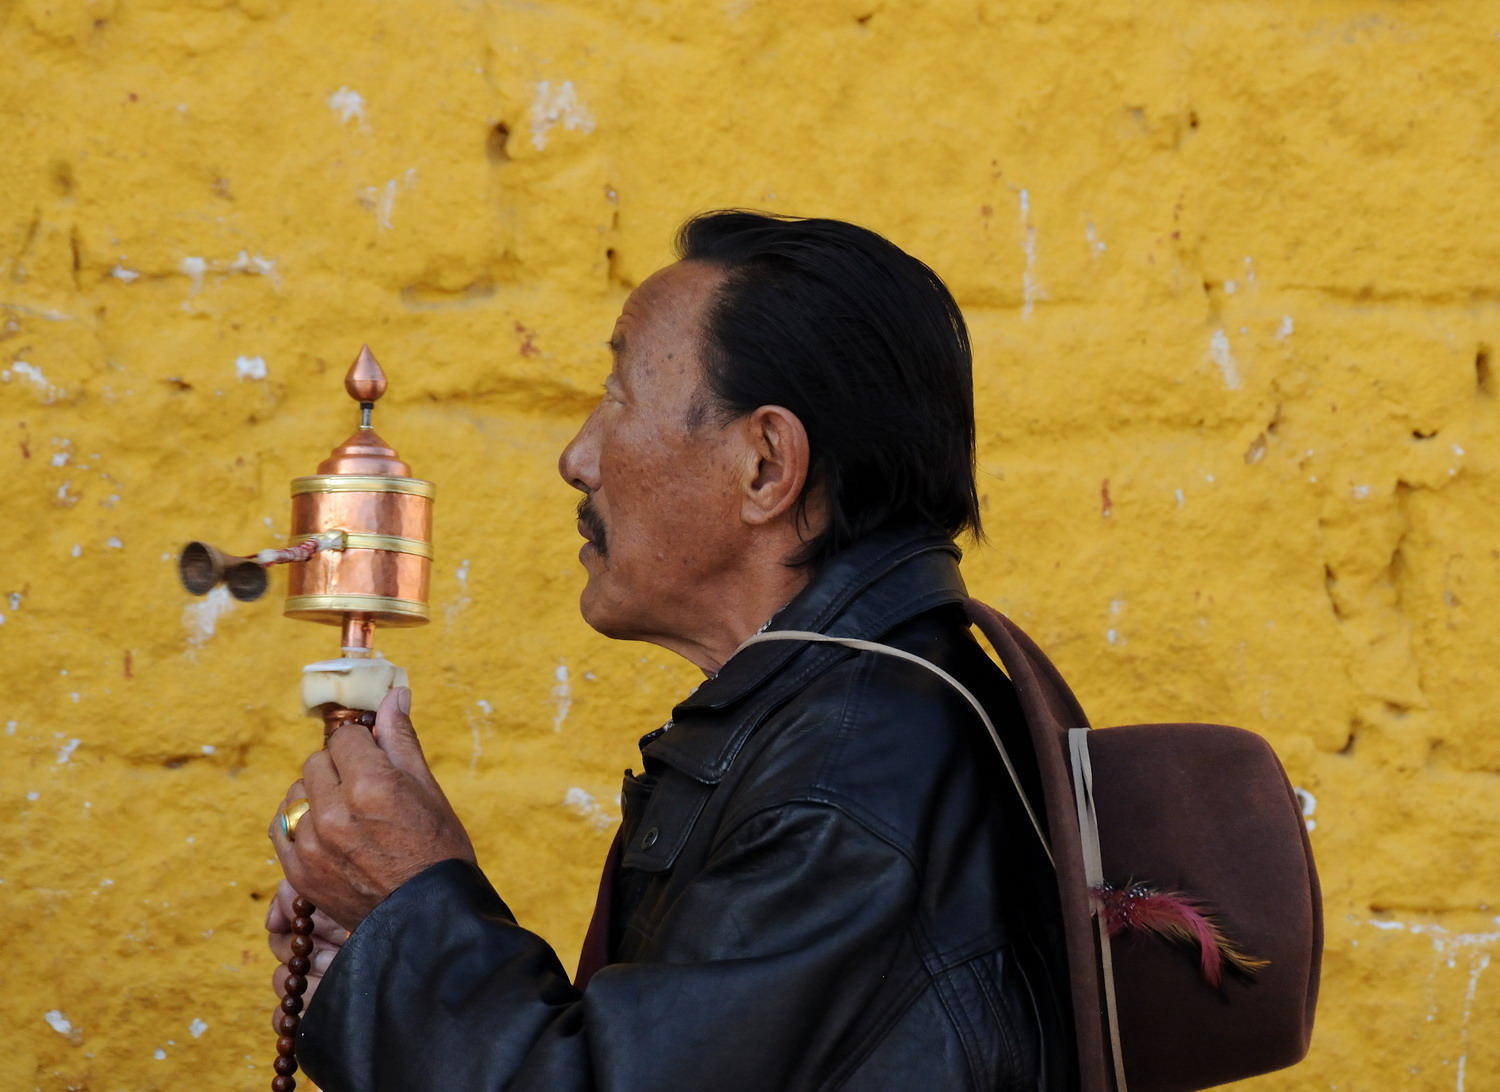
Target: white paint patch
{"points": [[77, 550], [203, 616], [1112, 635], [386, 205], [58, 1022], [65, 752], [10, 727], [1476, 969], [562, 698], [33, 796], [1360, 492], [382, 201], [1458, 451], [197, 1028], [1181, 499], [1031, 290], [15, 598], [557, 105], [113, 543], [1096, 244], [250, 367], [160, 1055], [253, 265], [1230, 288], [60, 458], [195, 268], [1309, 804], [348, 104], [49, 391], [120, 273], [208, 748], [485, 707], [1286, 328], [463, 600], [582, 804], [1218, 351]]}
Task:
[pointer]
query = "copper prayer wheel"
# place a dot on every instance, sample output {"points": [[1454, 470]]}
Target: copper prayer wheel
{"points": [[364, 490]]}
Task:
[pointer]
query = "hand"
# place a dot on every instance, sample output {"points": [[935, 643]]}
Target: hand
{"points": [[328, 937], [377, 817]]}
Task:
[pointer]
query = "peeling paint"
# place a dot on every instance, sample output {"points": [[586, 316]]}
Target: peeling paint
{"points": [[1219, 353], [554, 105]]}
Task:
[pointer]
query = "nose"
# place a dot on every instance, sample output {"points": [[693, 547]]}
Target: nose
{"points": [[579, 462]]}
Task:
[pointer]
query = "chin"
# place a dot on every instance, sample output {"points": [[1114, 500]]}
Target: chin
{"points": [[594, 608]]}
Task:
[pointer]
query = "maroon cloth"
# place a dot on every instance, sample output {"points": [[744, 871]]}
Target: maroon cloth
{"points": [[595, 952]]}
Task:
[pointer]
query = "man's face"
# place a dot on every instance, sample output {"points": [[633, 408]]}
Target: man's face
{"points": [[662, 506]]}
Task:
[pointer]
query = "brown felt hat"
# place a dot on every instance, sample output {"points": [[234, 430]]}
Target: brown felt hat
{"points": [[1201, 809]]}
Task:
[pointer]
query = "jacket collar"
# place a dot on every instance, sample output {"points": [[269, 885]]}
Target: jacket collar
{"points": [[865, 591]]}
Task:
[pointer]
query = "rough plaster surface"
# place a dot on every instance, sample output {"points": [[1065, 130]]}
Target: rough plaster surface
{"points": [[1232, 275]]}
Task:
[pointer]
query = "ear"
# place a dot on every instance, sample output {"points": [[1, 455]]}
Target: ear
{"points": [[776, 464]]}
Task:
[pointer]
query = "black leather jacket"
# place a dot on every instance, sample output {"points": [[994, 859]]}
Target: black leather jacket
{"points": [[827, 883]]}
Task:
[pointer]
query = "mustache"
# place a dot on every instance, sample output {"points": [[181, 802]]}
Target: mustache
{"points": [[588, 515]]}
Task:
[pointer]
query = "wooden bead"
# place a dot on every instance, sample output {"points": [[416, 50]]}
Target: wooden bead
{"points": [[288, 1020]]}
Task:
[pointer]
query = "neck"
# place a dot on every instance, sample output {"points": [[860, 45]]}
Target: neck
{"points": [[737, 607]]}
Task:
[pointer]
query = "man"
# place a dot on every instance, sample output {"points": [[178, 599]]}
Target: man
{"points": [[824, 878]]}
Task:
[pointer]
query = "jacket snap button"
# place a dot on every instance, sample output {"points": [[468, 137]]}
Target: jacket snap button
{"points": [[649, 838]]}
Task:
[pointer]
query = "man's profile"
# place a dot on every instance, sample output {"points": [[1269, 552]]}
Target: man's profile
{"points": [[823, 877]]}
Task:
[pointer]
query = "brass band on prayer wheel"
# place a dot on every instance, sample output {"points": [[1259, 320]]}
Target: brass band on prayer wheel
{"points": [[332, 608], [362, 483], [385, 568]]}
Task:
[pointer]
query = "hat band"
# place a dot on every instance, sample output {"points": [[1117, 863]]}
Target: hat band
{"points": [[1093, 876]]}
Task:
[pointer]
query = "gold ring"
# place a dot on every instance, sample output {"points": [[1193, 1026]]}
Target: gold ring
{"points": [[291, 815]]}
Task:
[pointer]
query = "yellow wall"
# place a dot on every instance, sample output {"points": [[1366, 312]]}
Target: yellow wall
{"points": [[1234, 264]]}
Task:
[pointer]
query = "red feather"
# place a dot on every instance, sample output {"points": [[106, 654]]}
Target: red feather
{"points": [[1174, 916]]}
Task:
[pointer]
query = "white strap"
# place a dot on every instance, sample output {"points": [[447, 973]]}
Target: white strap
{"points": [[901, 654], [1093, 876]]}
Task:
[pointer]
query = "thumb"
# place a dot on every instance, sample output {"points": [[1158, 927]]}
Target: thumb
{"points": [[395, 735]]}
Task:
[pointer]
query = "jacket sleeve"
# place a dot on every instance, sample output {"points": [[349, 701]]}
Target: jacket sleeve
{"points": [[762, 962]]}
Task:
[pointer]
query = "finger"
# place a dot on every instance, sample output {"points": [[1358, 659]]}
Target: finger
{"points": [[286, 849], [298, 791], [320, 776], [292, 793], [353, 751], [395, 735], [279, 913]]}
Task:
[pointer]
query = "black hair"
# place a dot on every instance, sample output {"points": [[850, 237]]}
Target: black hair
{"points": [[868, 348]]}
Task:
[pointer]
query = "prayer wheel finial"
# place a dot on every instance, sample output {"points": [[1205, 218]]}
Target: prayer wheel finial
{"points": [[365, 380]]}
